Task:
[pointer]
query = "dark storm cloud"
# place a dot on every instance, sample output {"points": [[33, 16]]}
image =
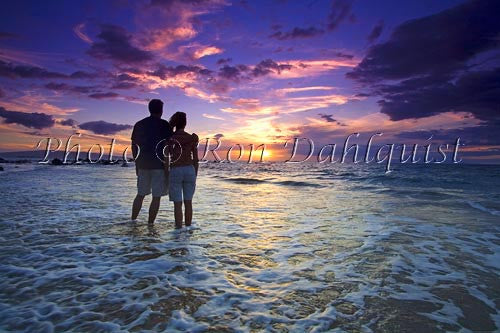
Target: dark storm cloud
{"points": [[69, 88], [434, 72], [7, 35], [115, 44], [125, 77], [485, 134], [329, 118], [224, 61], [104, 95], [340, 12], [171, 71], [476, 92], [13, 71], [103, 127], [232, 73], [27, 72], [343, 55], [376, 32], [68, 122], [269, 66], [2, 93], [124, 81], [84, 75], [169, 3], [243, 72], [362, 95], [31, 120], [436, 44], [124, 85], [297, 33]]}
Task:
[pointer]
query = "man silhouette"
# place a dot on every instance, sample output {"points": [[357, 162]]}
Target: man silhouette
{"points": [[148, 138]]}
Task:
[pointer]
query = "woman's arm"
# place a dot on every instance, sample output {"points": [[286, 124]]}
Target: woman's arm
{"points": [[166, 160], [194, 151]]}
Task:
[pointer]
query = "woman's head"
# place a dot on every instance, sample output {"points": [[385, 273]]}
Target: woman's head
{"points": [[178, 120]]}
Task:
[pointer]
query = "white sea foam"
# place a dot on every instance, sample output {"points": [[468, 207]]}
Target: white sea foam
{"points": [[269, 256]]}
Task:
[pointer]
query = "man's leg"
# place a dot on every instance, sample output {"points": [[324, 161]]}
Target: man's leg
{"points": [[178, 214], [136, 206], [153, 209], [188, 207]]}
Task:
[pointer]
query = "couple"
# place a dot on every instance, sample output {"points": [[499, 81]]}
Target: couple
{"points": [[153, 137]]}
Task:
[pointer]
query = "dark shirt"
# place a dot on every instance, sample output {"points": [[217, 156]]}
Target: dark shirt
{"points": [[148, 133], [183, 149]]}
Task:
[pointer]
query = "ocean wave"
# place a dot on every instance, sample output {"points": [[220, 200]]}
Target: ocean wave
{"points": [[251, 181], [242, 180], [482, 208], [299, 184]]}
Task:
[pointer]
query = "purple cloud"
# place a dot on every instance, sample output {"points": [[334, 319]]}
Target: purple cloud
{"points": [[340, 12], [224, 61], [68, 122], [476, 92], [84, 75], [32, 120], [115, 44], [329, 118], [297, 33], [104, 95], [7, 35], [69, 88], [170, 71], [376, 32], [464, 31], [27, 72], [269, 66], [232, 73], [103, 127], [343, 55], [436, 72]]}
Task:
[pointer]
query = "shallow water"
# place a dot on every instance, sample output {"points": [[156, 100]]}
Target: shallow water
{"points": [[275, 248]]}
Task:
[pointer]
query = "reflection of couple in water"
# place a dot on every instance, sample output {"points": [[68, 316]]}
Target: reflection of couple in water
{"points": [[176, 175]]}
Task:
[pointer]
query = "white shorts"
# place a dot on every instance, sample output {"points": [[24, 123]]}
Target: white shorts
{"points": [[152, 181], [182, 181]]}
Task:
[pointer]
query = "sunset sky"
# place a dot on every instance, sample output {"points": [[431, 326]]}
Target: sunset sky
{"points": [[253, 71]]}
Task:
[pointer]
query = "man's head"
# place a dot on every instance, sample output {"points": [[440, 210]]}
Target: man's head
{"points": [[155, 107]]}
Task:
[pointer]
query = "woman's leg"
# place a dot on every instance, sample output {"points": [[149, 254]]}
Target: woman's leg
{"points": [[188, 206], [189, 187], [178, 214]]}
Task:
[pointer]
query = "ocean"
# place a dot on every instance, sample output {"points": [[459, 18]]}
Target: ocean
{"points": [[275, 247]]}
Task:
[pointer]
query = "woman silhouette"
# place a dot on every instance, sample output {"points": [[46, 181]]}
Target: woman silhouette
{"points": [[183, 168]]}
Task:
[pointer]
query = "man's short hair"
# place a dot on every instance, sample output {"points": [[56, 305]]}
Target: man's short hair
{"points": [[155, 106]]}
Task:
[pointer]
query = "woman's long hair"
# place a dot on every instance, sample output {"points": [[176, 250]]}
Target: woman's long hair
{"points": [[178, 120]]}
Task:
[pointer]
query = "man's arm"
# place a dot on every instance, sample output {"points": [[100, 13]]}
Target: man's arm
{"points": [[135, 149]]}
